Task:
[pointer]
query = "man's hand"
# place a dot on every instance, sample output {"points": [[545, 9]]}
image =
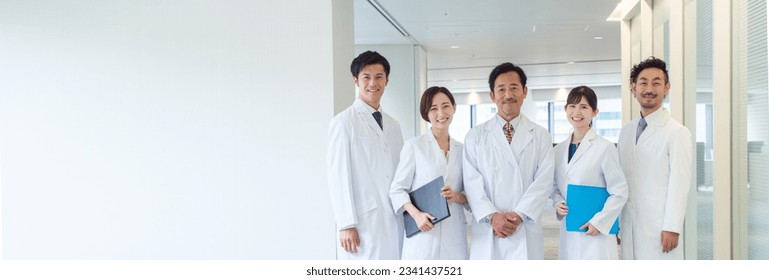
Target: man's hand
{"points": [[669, 241], [505, 223], [349, 240]]}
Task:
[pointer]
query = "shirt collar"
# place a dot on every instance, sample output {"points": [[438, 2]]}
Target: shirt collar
{"points": [[368, 108], [658, 116], [514, 122]]}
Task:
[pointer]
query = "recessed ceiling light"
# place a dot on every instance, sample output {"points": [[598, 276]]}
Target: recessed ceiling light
{"points": [[598, 37], [454, 47]]}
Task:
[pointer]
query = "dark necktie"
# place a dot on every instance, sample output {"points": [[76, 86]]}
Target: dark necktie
{"points": [[640, 129], [378, 118]]}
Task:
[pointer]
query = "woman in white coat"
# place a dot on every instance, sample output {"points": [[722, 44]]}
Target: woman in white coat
{"points": [[423, 159], [586, 158]]}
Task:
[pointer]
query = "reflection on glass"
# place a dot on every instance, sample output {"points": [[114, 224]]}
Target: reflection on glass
{"points": [[751, 44], [704, 130]]}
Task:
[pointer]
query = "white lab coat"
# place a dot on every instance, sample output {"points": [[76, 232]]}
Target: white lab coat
{"points": [[361, 163], [422, 160], [658, 173], [595, 163], [502, 177]]}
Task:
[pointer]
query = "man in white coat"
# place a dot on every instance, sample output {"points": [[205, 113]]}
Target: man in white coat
{"points": [[364, 145], [508, 174], [655, 153]]}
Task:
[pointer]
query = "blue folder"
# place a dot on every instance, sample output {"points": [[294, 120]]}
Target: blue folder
{"points": [[427, 199], [584, 202]]}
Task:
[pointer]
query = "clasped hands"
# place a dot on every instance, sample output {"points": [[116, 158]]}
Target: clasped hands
{"points": [[505, 224]]}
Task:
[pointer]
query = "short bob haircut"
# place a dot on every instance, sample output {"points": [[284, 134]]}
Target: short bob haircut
{"points": [[369, 58], [651, 62], [427, 100], [504, 68], [576, 94]]}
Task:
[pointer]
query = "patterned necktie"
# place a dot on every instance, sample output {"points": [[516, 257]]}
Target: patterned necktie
{"points": [[640, 129], [378, 118], [508, 132]]}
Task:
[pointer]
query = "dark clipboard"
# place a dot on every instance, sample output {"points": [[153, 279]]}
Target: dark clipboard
{"points": [[427, 199]]}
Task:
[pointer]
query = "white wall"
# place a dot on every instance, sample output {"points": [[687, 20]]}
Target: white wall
{"points": [[166, 129]]}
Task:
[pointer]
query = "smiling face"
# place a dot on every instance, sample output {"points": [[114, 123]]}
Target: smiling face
{"points": [[371, 82], [580, 114], [650, 89], [508, 94], [441, 111]]}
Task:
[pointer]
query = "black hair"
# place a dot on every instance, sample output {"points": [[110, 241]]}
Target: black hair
{"points": [[651, 62], [504, 68], [576, 94], [427, 100], [369, 58]]}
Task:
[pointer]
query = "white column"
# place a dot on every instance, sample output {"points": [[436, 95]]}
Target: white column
{"points": [[343, 23], [627, 62], [647, 29], [675, 61], [722, 122], [634, 42], [689, 95], [738, 15]]}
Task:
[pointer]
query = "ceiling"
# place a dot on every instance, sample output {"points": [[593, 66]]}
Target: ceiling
{"points": [[553, 41]]}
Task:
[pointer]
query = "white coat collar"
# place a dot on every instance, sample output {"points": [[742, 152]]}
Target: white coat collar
{"points": [[654, 121], [658, 118], [430, 137], [583, 147], [523, 136], [365, 112], [454, 152]]}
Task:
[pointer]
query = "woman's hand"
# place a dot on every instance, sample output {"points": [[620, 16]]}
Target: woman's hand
{"points": [[452, 196], [424, 221], [591, 229], [562, 209]]}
